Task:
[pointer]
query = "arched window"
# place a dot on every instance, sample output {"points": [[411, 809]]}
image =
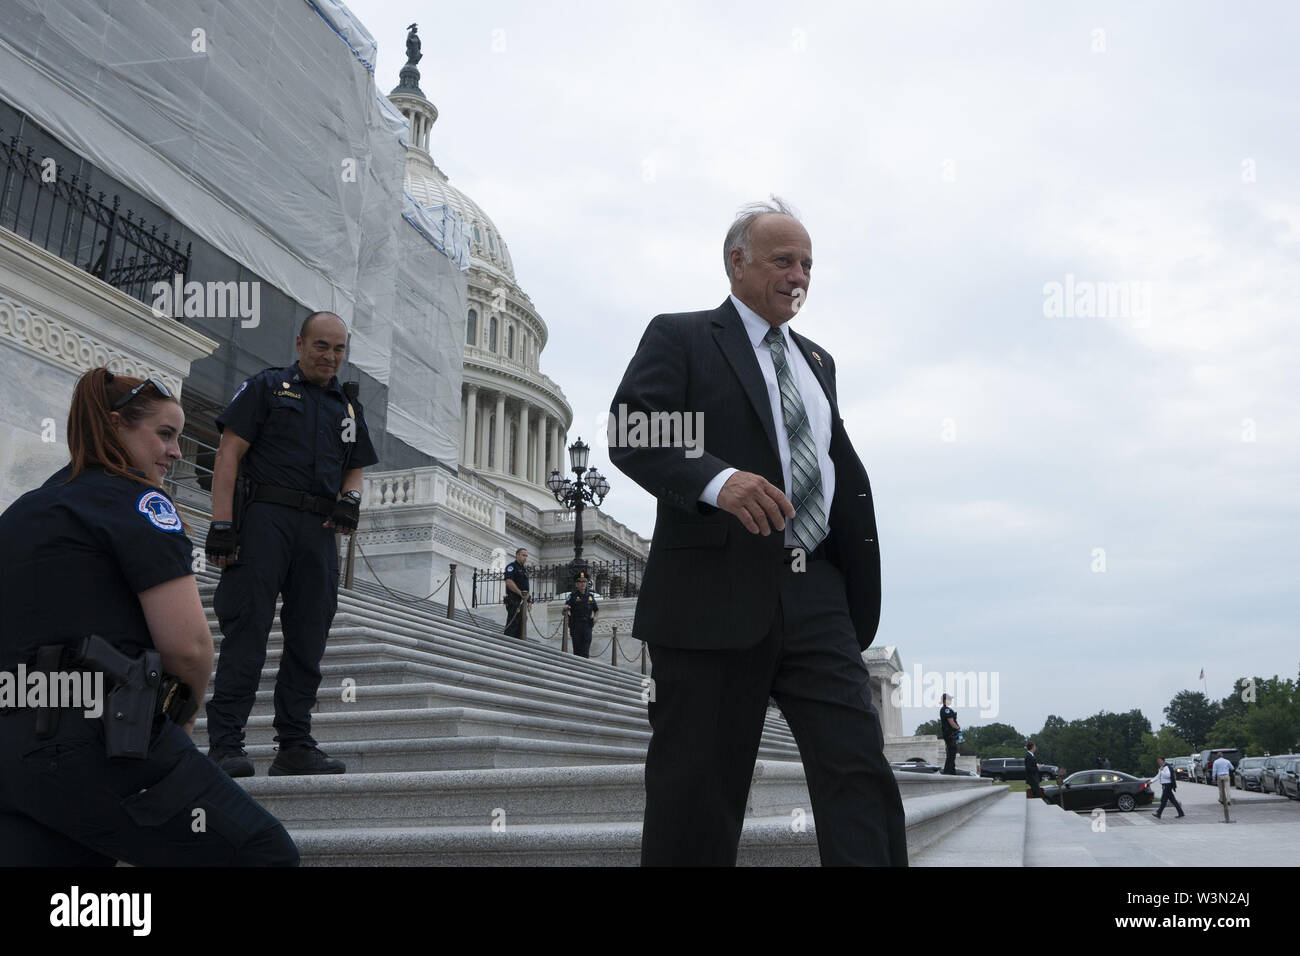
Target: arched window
{"points": [[471, 328], [492, 334], [510, 342]]}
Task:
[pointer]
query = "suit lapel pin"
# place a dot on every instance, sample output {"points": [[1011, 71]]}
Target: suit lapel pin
{"points": [[817, 357]]}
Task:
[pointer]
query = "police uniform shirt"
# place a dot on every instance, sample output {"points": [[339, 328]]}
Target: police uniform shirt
{"points": [[944, 714], [519, 574], [75, 557], [295, 430], [582, 607]]}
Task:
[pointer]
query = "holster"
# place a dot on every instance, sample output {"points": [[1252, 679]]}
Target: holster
{"points": [[140, 692], [241, 499]]}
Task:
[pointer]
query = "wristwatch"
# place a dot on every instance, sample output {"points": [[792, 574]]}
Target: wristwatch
{"points": [[353, 496]]}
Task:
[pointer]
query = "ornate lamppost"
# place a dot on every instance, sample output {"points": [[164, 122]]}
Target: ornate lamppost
{"points": [[588, 486]]}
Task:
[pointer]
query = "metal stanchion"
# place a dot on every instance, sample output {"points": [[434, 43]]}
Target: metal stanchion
{"points": [[523, 619], [564, 633], [643, 658], [451, 593], [613, 646], [352, 545]]}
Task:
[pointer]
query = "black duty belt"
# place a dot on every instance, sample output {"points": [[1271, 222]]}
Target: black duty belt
{"points": [[816, 554], [298, 500]]}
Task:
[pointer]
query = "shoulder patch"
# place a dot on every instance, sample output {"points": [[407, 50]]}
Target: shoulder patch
{"points": [[509, 568], [160, 511], [240, 390]]}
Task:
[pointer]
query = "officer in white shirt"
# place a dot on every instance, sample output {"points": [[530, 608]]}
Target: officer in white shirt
{"points": [[1222, 775]]}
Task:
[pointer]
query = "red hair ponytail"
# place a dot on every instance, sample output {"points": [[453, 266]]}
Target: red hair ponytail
{"points": [[92, 437]]}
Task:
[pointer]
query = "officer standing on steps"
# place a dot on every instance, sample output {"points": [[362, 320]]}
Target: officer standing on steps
{"points": [[949, 729], [302, 441], [516, 578], [581, 609]]}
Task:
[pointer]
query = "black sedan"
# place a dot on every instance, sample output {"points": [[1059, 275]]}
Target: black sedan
{"points": [[915, 765], [1108, 789]]}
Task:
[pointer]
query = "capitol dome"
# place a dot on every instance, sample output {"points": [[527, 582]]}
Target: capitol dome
{"points": [[428, 186], [514, 419]]}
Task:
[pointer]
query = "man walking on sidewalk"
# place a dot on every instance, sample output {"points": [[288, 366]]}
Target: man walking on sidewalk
{"points": [[1222, 770], [1168, 783]]}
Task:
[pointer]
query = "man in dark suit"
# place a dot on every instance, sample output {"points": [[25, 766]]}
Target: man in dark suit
{"points": [[1031, 768], [773, 509]]}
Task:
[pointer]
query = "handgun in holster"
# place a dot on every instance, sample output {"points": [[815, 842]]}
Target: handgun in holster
{"points": [[141, 691]]}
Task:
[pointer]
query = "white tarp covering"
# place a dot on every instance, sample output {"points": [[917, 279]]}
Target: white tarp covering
{"points": [[260, 127]]}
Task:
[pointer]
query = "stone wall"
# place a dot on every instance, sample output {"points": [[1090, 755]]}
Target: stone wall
{"points": [[56, 322]]}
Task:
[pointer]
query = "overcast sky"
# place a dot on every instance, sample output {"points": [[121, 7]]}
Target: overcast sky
{"points": [[950, 161]]}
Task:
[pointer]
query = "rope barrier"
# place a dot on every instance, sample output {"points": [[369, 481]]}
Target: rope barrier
{"points": [[466, 606], [534, 623], [630, 660], [474, 619], [379, 581]]}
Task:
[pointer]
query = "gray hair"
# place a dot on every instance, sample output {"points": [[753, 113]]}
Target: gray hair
{"points": [[738, 234]]}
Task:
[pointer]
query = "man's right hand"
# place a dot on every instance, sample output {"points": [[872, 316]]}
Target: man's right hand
{"points": [[761, 506], [222, 546]]}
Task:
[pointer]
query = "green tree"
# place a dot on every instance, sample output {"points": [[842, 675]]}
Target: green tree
{"points": [[1077, 744], [1192, 714], [929, 728], [1232, 730], [992, 740], [1166, 743], [1264, 716]]}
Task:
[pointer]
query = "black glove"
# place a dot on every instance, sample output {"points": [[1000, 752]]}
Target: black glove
{"points": [[222, 540], [346, 514]]}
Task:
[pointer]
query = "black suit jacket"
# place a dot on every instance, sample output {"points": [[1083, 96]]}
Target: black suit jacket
{"points": [[1031, 769], [710, 583]]}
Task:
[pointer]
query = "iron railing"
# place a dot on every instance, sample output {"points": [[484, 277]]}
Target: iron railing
{"points": [[63, 217], [609, 579]]}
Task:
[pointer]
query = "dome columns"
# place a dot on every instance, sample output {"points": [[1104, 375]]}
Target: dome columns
{"points": [[508, 435]]}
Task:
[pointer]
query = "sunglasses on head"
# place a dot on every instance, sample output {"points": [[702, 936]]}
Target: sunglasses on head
{"points": [[159, 387]]}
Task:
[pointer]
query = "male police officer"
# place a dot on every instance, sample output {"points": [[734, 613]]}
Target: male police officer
{"points": [[516, 578], [303, 442], [581, 608]]}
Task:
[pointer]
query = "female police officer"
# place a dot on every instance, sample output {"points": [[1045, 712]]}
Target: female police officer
{"points": [[99, 549]]}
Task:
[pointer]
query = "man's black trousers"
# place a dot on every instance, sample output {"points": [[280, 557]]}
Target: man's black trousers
{"points": [[707, 709], [515, 611], [1167, 797], [581, 635], [281, 552]]}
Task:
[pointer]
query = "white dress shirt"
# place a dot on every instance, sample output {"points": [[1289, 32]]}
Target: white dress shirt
{"points": [[815, 404], [1222, 768]]}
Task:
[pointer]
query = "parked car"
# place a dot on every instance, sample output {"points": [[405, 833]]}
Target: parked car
{"points": [[1181, 767], [1012, 768], [1289, 777], [1198, 766], [1205, 768], [1269, 774], [1248, 771], [1109, 789], [915, 765]]}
